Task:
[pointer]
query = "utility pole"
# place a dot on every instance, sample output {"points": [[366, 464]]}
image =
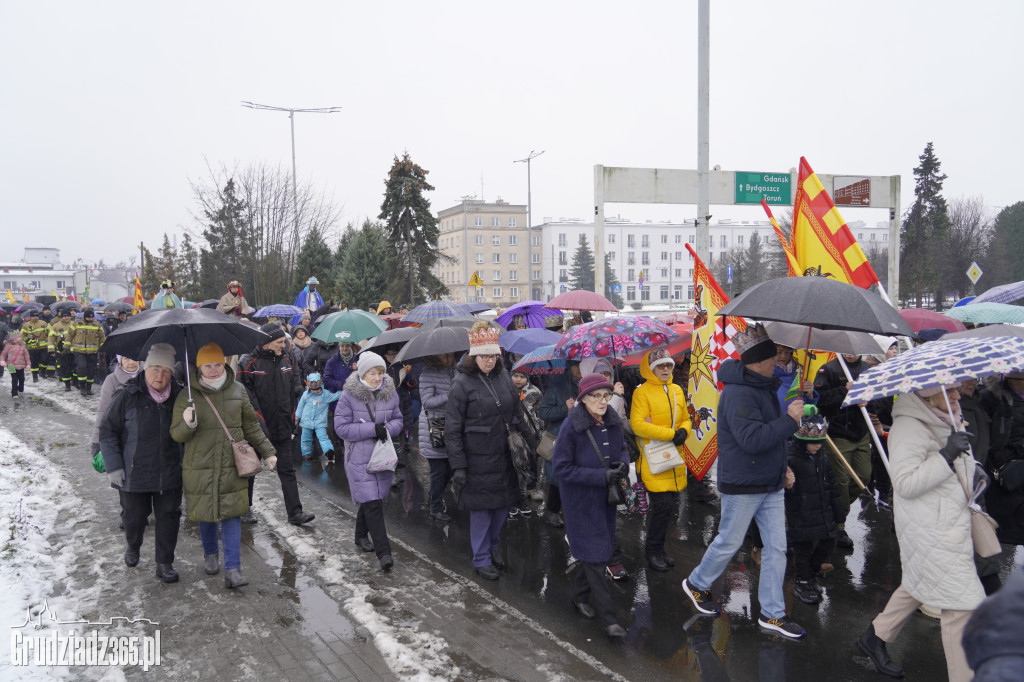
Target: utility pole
{"points": [[529, 217], [703, 127]]}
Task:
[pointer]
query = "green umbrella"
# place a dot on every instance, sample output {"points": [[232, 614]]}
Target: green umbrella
{"points": [[349, 326], [988, 313]]}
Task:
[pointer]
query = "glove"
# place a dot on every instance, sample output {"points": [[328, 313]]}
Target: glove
{"points": [[93, 449], [116, 478], [458, 481], [297, 431], [621, 467], [382, 432], [189, 417], [958, 442], [980, 475], [271, 462], [680, 437], [613, 475]]}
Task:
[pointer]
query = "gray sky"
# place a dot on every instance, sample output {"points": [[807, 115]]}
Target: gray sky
{"points": [[107, 110]]}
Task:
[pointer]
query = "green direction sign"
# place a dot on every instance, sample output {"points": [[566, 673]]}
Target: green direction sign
{"points": [[774, 188]]}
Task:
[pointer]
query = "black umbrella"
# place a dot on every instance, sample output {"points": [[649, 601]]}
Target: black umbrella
{"points": [[386, 338], [819, 302], [462, 321], [65, 305], [186, 330], [117, 307], [208, 303], [435, 341]]}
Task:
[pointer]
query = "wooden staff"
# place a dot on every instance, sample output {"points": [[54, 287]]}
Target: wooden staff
{"points": [[843, 460]]}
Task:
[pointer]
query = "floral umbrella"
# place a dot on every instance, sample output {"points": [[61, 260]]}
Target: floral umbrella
{"points": [[936, 364], [613, 337]]}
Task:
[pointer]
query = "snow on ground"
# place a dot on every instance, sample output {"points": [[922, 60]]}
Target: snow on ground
{"points": [[33, 559]]}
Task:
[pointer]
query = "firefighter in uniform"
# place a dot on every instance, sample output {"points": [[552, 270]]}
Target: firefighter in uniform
{"points": [[34, 333], [58, 347], [47, 367], [86, 336]]}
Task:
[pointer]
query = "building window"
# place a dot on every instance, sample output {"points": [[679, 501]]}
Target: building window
{"points": [[495, 222], [630, 258], [679, 239], [645, 258], [511, 222], [535, 241], [495, 257], [513, 240], [563, 275], [536, 274], [562, 259], [513, 258], [513, 275], [679, 255], [497, 276], [664, 273], [691, 239], [664, 239], [630, 274], [663, 292], [611, 237], [679, 272], [645, 241], [631, 241], [630, 293], [691, 272], [723, 241], [860, 236], [872, 237], [739, 240], [478, 221], [677, 292], [689, 292], [61, 284], [513, 292], [496, 292], [611, 255], [479, 258], [645, 295], [664, 255], [495, 240], [562, 240], [478, 240], [535, 258]]}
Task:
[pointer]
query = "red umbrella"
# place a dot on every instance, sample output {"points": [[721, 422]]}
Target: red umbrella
{"points": [[675, 347], [674, 318], [581, 299], [922, 318]]}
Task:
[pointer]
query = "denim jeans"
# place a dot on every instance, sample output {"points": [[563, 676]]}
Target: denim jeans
{"points": [[769, 510], [231, 536], [321, 435], [440, 475]]}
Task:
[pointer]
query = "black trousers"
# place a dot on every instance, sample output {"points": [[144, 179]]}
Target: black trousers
{"points": [[17, 381], [37, 356], [286, 473], [590, 582], [808, 556], [553, 499], [659, 514], [370, 521], [85, 368], [64, 368], [166, 508]]}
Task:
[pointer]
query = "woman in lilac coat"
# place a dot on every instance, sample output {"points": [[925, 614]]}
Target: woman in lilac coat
{"points": [[368, 412]]}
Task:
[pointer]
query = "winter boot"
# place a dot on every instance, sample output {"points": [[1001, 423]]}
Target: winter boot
{"points": [[872, 646], [67, 386], [805, 592], [35, 377]]}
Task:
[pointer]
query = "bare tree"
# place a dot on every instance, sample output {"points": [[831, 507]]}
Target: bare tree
{"points": [[966, 241]]}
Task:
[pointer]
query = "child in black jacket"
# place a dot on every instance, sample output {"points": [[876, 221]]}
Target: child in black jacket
{"points": [[813, 508]]}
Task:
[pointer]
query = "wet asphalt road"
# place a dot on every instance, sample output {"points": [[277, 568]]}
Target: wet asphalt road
{"points": [[665, 640]]}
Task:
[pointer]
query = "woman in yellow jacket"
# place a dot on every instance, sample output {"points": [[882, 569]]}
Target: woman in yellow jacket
{"points": [[659, 413]]}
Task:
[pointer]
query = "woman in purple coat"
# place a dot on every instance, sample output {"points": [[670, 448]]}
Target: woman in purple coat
{"points": [[368, 412], [590, 454]]}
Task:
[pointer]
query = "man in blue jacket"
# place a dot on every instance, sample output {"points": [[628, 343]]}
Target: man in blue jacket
{"points": [[752, 436]]}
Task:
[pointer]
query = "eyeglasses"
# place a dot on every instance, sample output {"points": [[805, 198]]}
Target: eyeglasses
{"points": [[488, 357], [602, 397]]}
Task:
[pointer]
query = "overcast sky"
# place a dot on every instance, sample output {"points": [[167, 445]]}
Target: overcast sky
{"points": [[108, 110]]}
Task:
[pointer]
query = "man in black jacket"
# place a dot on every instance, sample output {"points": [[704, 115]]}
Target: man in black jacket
{"points": [[274, 386], [143, 462]]}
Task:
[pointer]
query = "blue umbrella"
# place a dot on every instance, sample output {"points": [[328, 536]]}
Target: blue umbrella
{"points": [[432, 310], [988, 313], [540, 361], [522, 341], [97, 302], [278, 310], [1004, 293], [938, 363]]}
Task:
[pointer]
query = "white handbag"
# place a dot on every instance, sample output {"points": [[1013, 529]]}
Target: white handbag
{"points": [[662, 455]]}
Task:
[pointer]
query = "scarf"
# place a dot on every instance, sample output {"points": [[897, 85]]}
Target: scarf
{"points": [[943, 414], [162, 396], [214, 384], [302, 343]]}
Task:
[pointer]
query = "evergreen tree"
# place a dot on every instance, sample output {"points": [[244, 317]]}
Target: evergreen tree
{"points": [[362, 281], [338, 262], [582, 273], [149, 278], [1005, 260], [315, 259], [165, 261], [221, 259], [923, 231], [412, 233], [188, 270], [611, 281]]}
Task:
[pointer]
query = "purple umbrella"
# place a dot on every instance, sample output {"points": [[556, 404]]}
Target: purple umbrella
{"points": [[533, 312], [1004, 293], [613, 337], [522, 341]]}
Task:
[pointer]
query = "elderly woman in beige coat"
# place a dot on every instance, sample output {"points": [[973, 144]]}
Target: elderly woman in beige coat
{"points": [[931, 466]]}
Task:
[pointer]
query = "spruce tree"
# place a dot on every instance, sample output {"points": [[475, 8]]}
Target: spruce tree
{"points": [[363, 282], [412, 233], [582, 273], [188, 270], [611, 281], [149, 278], [923, 231], [1005, 260], [314, 260], [221, 259]]}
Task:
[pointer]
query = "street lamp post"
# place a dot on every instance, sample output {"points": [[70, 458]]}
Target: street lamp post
{"points": [[529, 216], [291, 117]]}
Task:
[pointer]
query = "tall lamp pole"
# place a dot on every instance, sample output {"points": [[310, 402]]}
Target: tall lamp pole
{"points": [[291, 117], [529, 216]]}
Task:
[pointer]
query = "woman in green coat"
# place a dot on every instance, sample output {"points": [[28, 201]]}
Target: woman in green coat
{"points": [[213, 489]]}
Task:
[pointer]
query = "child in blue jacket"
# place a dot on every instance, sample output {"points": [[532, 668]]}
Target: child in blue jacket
{"points": [[311, 415]]}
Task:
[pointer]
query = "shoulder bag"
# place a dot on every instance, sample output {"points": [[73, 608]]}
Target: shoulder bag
{"points": [[517, 445], [983, 526], [614, 494], [247, 462], [435, 429], [384, 457], [662, 455]]}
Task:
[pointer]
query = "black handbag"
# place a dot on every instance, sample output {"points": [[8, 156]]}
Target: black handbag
{"points": [[435, 429], [614, 494], [518, 448]]}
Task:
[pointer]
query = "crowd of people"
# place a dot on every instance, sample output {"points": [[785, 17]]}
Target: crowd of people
{"points": [[500, 444]]}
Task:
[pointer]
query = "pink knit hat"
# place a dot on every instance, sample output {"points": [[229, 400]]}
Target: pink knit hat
{"points": [[591, 383]]}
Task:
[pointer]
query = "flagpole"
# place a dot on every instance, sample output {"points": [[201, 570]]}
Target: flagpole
{"points": [[867, 419]]}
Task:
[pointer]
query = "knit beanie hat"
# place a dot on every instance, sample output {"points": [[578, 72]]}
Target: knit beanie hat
{"points": [[274, 331], [591, 383], [754, 344], [483, 342], [659, 356], [367, 361], [87, 314], [161, 354], [211, 352]]}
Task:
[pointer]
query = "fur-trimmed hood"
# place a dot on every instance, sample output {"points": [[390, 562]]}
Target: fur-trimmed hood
{"points": [[360, 392], [581, 419]]}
